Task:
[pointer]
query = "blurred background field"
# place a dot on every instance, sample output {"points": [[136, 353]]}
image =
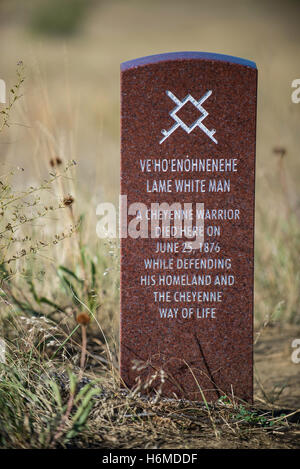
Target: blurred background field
{"points": [[71, 51]]}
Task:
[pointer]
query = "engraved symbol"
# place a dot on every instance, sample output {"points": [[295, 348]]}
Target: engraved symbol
{"points": [[180, 123]]}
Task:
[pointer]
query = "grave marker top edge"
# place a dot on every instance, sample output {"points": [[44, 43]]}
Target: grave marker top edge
{"points": [[187, 55]]}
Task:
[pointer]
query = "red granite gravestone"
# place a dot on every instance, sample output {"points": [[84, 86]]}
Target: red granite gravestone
{"points": [[188, 123]]}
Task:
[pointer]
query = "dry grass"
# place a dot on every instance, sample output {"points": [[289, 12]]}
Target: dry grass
{"points": [[58, 387], [36, 413]]}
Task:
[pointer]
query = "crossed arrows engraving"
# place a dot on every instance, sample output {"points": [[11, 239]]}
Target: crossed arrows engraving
{"points": [[180, 123]]}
